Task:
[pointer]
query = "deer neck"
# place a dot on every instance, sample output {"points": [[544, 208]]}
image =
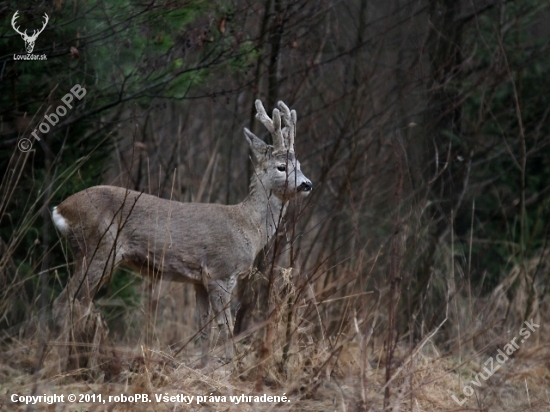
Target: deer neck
{"points": [[264, 210]]}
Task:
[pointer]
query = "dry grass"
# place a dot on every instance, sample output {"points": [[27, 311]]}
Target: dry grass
{"points": [[426, 385], [343, 372]]}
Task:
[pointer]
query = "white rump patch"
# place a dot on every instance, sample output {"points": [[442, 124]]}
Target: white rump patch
{"points": [[60, 222]]}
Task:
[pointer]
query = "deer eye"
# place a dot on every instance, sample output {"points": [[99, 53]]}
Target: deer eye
{"points": [[281, 168]]}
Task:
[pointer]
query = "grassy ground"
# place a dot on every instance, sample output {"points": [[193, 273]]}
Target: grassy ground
{"points": [[345, 372]]}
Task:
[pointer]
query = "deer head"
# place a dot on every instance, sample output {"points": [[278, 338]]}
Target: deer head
{"points": [[276, 166], [29, 40]]}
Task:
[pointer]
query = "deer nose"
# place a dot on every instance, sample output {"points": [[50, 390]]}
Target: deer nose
{"points": [[305, 186]]}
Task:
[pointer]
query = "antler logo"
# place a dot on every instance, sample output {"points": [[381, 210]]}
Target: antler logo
{"points": [[29, 40]]}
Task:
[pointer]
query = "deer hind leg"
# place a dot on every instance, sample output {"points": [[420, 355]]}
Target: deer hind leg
{"points": [[95, 260], [220, 299], [82, 328]]}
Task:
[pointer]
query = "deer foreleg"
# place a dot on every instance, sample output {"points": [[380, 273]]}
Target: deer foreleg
{"points": [[220, 297], [203, 321]]}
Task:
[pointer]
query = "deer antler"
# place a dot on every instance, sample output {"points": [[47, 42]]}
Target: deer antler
{"points": [[273, 126], [289, 131], [15, 16], [282, 139]]}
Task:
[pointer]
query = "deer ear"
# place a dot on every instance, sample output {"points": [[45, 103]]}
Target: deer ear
{"points": [[258, 146]]}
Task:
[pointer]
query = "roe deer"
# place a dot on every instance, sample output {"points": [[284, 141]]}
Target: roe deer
{"points": [[208, 245]]}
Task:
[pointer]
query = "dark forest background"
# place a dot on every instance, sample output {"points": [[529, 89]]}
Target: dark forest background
{"points": [[423, 125]]}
